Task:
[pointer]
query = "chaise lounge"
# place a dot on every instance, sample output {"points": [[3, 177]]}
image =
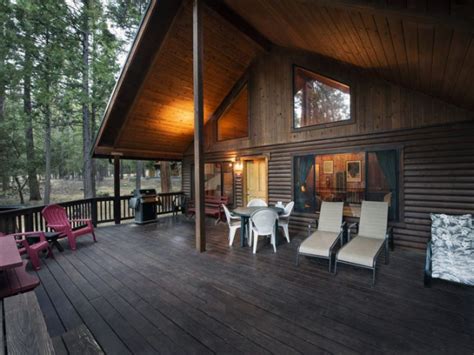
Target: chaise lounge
{"points": [[320, 244], [373, 236]]}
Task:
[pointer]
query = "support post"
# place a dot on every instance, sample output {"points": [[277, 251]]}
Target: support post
{"points": [[94, 211], [198, 125], [117, 189]]}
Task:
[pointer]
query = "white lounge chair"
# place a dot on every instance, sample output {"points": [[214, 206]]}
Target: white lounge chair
{"points": [[257, 202], [284, 219], [262, 223], [373, 236], [320, 244], [233, 222]]}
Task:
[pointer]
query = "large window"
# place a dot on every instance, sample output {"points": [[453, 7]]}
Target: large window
{"points": [[219, 180], [348, 177], [319, 100], [234, 122]]}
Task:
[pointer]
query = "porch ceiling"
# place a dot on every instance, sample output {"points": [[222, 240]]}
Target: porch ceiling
{"points": [[160, 120], [423, 45]]}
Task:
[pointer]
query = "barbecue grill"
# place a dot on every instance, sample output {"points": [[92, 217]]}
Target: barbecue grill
{"points": [[144, 204]]}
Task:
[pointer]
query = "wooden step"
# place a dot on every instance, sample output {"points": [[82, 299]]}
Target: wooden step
{"points": [[25, 328]]}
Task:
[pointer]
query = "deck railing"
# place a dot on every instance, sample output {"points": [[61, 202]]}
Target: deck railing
{"points": [[99, 209]]}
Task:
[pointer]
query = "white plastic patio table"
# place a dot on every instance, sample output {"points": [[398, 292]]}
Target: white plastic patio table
{"points": [[245, 213]]}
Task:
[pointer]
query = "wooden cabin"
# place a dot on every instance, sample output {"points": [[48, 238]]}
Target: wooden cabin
{"points": [[306, 101]]}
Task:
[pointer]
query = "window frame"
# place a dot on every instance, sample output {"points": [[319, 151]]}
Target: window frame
{"points": [[352, 93], [399, 214]]}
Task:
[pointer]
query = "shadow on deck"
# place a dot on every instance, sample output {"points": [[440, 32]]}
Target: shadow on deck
{"points": [[144, 289]]}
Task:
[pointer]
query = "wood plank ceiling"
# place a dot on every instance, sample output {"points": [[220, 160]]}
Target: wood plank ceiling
{"points": [[424, 45], [162, 116], [419, 44]]}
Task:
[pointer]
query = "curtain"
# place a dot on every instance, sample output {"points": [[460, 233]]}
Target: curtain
{"points": [[387, 160], [303, 189]]}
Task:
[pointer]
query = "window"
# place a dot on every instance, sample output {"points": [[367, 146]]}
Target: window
{"points": [[347, 177], [319, 100], [234, 121], [304, 179], [218, 180], [213, 179]]}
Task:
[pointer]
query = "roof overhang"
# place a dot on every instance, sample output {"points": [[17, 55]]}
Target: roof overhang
{"points": [[150, 112]]}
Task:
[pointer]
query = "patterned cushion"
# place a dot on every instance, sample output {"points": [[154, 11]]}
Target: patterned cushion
{"points": [[452, 248]]}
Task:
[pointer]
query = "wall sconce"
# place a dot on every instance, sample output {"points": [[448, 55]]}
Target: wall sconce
{"points": [[238, 167]]}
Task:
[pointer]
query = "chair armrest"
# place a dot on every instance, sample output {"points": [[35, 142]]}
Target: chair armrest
{"points": [[427, 273], [315, 226], [350, 228], [343, 225]]}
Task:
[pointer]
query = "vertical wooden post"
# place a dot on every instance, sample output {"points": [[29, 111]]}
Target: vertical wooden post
{"points": [[117, 189], [94, 211], [198, 125]]}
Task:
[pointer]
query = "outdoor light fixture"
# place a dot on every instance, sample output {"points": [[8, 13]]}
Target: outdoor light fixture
{"points": [[238, 166]]}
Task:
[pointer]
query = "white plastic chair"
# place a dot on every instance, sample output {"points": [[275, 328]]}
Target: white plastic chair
{"points": [[262, 222], [257, 202], [233, 222], [284, 219]]}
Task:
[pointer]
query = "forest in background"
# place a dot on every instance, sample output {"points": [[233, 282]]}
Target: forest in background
{"points": [[59, 60]]}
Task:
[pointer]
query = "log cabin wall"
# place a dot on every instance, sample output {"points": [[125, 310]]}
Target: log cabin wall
{"points": [[435, 138]]}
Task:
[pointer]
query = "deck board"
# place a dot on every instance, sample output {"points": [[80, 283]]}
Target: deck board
{"points": [[145, 289]]}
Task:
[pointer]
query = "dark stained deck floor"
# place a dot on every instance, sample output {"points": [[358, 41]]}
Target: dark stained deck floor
{"points": [[144, 289]]}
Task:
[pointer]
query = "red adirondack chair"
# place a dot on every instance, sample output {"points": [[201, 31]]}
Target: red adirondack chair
{"points": [[56, 219], [32, 250]]}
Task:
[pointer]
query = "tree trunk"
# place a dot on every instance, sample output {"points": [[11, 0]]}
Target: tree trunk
{"points": [[86, 127], [3, 158], [138, 173], [3, 83], [93, 162], [165, 176], [20, 190], [33, 184], [47, 154]]}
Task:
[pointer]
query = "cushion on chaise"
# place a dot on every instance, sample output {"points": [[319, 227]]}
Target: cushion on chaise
{"points": [[452, 247]]}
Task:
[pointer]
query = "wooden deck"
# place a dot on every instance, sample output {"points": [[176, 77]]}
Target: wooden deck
{"points": [[144, 289]]}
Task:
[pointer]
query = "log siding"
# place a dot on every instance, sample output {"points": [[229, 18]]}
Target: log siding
{"points": [[435, 140]]}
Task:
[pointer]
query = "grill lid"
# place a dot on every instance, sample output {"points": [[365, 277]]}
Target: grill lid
{"points": [[144, 192]]}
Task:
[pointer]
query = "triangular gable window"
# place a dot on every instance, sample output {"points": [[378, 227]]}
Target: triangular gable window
{"points": [[234, 122]]}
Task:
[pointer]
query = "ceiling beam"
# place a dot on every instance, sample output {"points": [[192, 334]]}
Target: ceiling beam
{"points": [[230, 98], [239, 22], [138, 154]]}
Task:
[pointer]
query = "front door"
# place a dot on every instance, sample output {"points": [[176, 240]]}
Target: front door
{"points": [[255, 179]]}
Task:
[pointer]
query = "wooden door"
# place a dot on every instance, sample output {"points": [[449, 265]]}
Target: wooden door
{"points": [[255, 179]]}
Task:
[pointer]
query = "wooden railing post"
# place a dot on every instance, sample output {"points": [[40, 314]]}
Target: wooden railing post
{"points": [[28, 222], [94, 211], [117, 214]]}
